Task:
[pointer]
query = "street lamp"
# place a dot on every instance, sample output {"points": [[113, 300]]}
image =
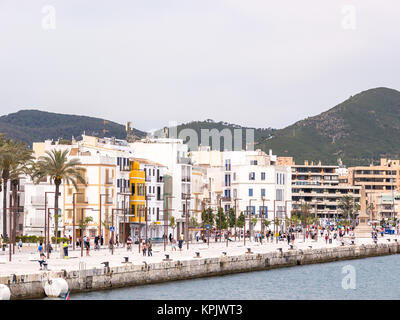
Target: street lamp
{"points": [[73, 219], [124, 209], [244, 233], [165, 216]]}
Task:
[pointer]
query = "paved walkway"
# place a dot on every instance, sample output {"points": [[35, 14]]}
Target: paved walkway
{"points": [[26, 262]]}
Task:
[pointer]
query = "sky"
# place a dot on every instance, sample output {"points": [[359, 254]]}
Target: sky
{"points": [[256, 63]]}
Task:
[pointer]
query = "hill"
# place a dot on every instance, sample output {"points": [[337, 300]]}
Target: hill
{"points": [[33, 125], [359, 130]]}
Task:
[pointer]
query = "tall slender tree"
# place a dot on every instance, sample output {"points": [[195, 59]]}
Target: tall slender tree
{"points": [[13, 156], [55, 164]]}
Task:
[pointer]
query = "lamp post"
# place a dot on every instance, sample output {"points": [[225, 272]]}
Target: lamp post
{"points": [[125, 195], [249, 214], [235, 200], [101, 195], [113, 228], [286, 201], [147, 197], [165, 216], [263, 217], [73, 219]]}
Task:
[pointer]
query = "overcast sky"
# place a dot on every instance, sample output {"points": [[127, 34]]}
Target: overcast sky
{"points": [[251, 62]]}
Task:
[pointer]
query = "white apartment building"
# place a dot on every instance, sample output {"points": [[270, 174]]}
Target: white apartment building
{"points": [[248, 181], [173, 154]]}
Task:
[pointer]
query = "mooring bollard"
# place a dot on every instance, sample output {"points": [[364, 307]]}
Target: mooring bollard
{"points": [[395, 240], [224, 253], [248, 250], [388, 240], [310, 247], [5, 292], [106, 264], [279, 249], [126, 259], [291, 247], [352, 241], [197, 255]]}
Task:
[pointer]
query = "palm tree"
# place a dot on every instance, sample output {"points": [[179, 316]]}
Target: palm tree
{"points": [[57, 166], [172, 224], [13, 156], [349, 208]]}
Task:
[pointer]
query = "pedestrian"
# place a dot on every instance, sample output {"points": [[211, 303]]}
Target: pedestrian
{"points": [[173, 242], [197, 236], [101, 240], [110, 244], [180, 242], [116, 240], [87, 246], [288, 238], [70, 239], [170, 237], [150, 250], [65, 248], [40, 248], [326, 238], [50, 249], [144, 249], [19, 245]]}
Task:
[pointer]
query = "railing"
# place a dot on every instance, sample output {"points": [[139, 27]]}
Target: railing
{"points": [[185, 179], [124, 190], [126, 168], [81, 199], [109, 181], [37, 200], [160, 179], [184, 160], [109, 200]]}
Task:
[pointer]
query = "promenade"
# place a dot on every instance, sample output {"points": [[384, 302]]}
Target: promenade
{"points": [[26, 262]]}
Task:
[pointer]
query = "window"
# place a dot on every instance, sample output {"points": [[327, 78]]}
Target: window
{"points": [[234, 176], [253, 162], [262, 192], [252, 210], [227, 180], [132, 189], [235, 193], [279, 194], [263, 210], [252, 176], [250, 192], [133, 210], [262, 175]]}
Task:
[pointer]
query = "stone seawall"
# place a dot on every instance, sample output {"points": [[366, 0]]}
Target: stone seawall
{"points": [[31, 285]]}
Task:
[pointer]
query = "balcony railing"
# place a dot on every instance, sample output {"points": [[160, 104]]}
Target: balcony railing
{"points": [[126, 168], [37, 200], [185, 179], [124, 190]]}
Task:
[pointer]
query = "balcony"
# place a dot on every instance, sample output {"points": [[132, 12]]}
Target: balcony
{"points": [[37, 200], [160, 179], [184, 160], [109, 181], [108, 200], [126, 168], [124, 190]]}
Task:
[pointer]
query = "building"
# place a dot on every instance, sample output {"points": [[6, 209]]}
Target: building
{"points": [[173, 154], [318, 186], [246, 181], [146, 181]]}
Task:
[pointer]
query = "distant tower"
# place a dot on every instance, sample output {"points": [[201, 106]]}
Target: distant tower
{"points": [[130, 136]]}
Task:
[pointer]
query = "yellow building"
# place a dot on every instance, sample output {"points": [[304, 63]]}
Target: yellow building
{"points": [[137, 200]]}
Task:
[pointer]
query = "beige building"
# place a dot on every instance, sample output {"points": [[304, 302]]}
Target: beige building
{"points": [[318, 185]]}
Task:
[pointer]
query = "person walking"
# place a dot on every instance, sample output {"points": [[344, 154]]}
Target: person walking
{"points": [[65, 248], [70, 239], [170, 237], [87, 246], [150, 250], [173, 244], [144, 249], [326, 238], [180, 242], [197, 236], [40, 248], [19, 245], [292, 238], [101, 240]]}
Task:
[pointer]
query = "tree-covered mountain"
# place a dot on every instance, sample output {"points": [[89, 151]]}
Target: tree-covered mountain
{"points": [[33, 126], [359, 130]]}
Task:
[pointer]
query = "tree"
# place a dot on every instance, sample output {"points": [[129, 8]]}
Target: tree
{"points": [[193, 222], [55, 164], [172, 223], [253, 222], [13, 156], [240, 221], [232, 218], [83, 224], [220, 223], [349, 208], [207, 216], [267, 223]]}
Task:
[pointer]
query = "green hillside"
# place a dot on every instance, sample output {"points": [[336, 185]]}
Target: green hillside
{"points": [[33, 125], [359, 131]]}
